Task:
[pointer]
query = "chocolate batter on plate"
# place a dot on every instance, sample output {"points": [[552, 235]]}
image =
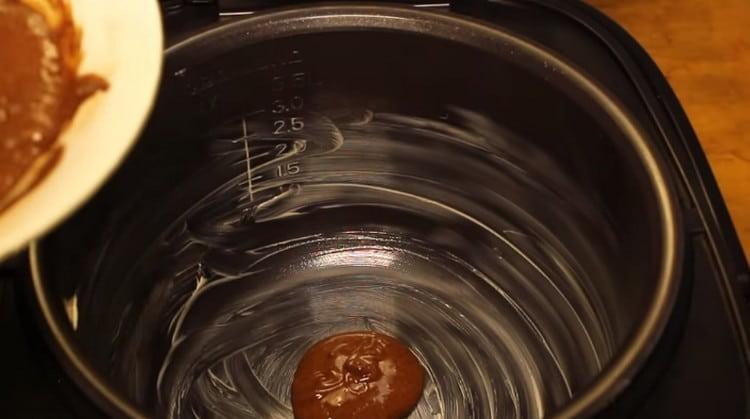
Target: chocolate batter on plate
{"points": [[40, 89]]}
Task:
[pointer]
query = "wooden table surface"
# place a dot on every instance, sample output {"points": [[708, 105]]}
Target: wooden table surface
{"points": [[703, 47]]}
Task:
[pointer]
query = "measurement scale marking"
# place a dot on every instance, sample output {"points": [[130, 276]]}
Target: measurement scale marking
{"points": [[247, 160]]}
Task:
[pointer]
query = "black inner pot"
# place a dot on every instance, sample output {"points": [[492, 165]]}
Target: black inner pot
{"points": [[324, 169]]}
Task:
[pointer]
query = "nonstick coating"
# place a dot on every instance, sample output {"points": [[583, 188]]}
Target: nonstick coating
{"points": [[339, 168]]}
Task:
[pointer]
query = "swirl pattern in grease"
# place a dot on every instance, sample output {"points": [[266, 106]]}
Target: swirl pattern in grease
{"points": [[461, 240]]}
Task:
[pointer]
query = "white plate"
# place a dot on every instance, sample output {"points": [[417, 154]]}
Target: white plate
{"points": [[122, 42]]}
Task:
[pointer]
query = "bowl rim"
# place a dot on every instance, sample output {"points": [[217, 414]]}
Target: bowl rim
{"points": [[613, 379]]}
